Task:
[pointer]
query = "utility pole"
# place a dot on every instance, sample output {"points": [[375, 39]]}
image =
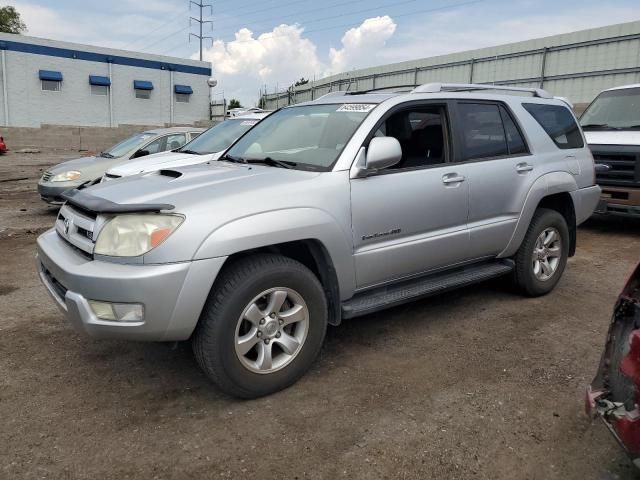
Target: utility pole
{"points": [[201, 6]]}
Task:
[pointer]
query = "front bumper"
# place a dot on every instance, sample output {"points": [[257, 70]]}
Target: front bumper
{"points": [[51, 193], [172, 294]]}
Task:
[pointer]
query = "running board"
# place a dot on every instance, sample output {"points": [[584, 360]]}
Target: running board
{"points": [[391, 295]]}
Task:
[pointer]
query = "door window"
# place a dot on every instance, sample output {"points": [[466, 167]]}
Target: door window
{"points": [[481, 131], [515, 142], [158, 145], [176, 141], [420, 132]]}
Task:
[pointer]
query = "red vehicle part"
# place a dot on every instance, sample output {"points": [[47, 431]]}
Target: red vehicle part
{"points": [[614, 394], [3, 145]]}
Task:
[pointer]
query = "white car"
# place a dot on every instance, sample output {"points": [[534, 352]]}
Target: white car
{"points": [[206, 147], [611, 125]]}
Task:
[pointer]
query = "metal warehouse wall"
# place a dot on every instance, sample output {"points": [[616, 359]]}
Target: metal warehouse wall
{"points": [[574, 65], [23, 103]]}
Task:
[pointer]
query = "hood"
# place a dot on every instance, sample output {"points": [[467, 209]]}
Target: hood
{"points": [[205, 185], [159, 161], [76, 164], [612, 137]]}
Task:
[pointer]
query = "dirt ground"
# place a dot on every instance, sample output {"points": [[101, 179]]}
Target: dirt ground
{"points": [[479, 383]]}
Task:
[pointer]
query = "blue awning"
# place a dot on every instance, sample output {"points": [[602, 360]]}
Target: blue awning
{"points": [[142, 85], [51, 75], [98, 80], [184, 89]]}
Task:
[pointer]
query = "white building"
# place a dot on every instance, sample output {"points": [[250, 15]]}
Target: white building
{"points": [[51, 82]]}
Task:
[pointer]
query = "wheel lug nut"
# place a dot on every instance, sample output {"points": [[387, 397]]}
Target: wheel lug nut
{"points": [[281, 321], [259, 334], [278, 335], [262, 321], [266, 340], [273, 315]]}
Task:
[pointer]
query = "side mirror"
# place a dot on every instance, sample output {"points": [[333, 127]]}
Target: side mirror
{"points": [[602, 167], [383, 152], [140, 153]]}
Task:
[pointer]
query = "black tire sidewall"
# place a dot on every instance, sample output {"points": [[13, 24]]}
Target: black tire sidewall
{"points": [[543, 218], [222, 324]]}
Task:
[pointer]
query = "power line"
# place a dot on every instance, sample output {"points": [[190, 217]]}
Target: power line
{"points": [[173, 34], [344, 25], [324, 7], [350, 24], [149, 34]]}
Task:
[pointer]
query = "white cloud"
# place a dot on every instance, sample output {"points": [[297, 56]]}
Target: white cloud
{"points": [[243, 65], [361, 45], [283, 55]]}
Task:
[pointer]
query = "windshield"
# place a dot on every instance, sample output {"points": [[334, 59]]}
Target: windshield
{"points": [[126, 145], [219, 137], [616, 109], [309, 137]]}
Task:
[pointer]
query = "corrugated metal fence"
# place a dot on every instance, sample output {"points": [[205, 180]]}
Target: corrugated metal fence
{"points": [[576, 65]]}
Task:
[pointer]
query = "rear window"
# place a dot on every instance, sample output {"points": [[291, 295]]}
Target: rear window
{"points": [[559, 124]]}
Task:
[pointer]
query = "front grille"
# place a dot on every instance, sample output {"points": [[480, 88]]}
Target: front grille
{"points": [[47, 176], [623, 162], [76, 227]]}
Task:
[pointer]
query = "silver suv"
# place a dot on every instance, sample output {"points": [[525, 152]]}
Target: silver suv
{"points": [[324, 211]]}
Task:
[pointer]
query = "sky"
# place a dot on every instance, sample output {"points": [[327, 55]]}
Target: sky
{"points": [[271, 43]]}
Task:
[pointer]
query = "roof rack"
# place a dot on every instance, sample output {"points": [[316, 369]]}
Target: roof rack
{"points": [[468, 87]]}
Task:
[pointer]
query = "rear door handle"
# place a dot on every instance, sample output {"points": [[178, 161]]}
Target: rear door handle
{"points": [[450, 178], [524, 167]]}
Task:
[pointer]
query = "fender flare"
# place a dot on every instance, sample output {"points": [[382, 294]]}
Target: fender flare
{"points": [[281, 226], [548, 184]]}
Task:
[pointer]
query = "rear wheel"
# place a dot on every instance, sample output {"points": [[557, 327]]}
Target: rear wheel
{"points": [[262, 326], [542, 256]]}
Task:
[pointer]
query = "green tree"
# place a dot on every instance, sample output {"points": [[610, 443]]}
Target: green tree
{"points": [[302, 81], [234, 103], [10, 21]]}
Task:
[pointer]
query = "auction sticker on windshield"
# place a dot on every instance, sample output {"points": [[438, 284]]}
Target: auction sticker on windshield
{"points": [[356, 107]]}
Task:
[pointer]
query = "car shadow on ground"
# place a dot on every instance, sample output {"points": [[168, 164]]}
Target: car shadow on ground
{"points": [[612, 224]]}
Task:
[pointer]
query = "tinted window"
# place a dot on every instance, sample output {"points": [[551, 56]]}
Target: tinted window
{"points": [[482, 131], [515, 142], [559, 124]]}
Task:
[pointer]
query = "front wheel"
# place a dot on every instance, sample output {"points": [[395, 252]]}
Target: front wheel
{"points": [[262, 326], [543, 254]]}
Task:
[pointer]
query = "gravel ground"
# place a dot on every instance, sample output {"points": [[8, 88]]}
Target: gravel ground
{"points": [[478, 383]]}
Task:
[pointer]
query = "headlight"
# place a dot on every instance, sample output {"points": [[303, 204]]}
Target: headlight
{"points": [[66, 176], [133, 235]]}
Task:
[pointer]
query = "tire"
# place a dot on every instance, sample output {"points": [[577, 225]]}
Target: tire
{"points": [[534, 281], [235, 308]]}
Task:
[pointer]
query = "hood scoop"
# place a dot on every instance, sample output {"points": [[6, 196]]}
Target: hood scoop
{"points": [[170, 173]]}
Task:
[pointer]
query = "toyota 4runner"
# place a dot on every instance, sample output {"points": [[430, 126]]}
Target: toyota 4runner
{"points": [[324, 211]]}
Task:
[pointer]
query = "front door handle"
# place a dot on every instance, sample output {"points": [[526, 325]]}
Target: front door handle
{"points": [[450, 178], [524, 167]]}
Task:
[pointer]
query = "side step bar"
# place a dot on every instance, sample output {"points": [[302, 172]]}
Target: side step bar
{"points": [[391, 295]]}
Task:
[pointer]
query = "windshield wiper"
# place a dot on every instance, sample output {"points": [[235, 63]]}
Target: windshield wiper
{"points": [[190, 152], [603, 126], [105, 155], [233, 158], [274, 163]]}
